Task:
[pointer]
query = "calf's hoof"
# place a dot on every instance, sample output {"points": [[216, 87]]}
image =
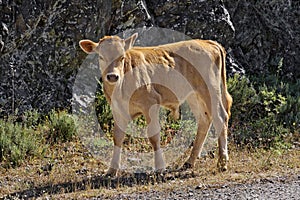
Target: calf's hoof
{"points": [[222, 165], [111, 172], [160, 171]]}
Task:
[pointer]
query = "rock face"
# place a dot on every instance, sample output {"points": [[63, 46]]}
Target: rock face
{"points": [[39, 39], [39, 50], [267, 35]]}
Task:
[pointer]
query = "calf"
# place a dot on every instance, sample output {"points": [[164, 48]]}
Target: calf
{"points": [[138, 80]]}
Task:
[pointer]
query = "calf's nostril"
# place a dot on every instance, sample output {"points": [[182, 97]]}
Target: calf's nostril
{"points": [[112, 77]]}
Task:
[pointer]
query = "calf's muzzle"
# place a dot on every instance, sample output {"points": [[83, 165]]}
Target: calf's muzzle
{"points": [[112, 77]]}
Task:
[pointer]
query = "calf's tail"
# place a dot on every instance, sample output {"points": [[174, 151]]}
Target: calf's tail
{"points": [[227, 99]]}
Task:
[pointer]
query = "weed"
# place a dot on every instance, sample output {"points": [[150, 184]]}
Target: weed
{"points": [[61, 126]]}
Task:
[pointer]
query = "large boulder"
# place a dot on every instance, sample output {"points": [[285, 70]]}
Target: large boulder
{"points": [[197, 19], [267, 38]]}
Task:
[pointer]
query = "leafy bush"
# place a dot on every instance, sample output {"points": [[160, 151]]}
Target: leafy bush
{"points": [[28, 135], [289, 114], [32, 119], [17, 142], [61, 127], [243, 95], [257, 113]]}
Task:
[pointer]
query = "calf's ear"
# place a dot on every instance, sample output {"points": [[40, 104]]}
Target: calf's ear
{"points": [[88, 46], [130, 41]]}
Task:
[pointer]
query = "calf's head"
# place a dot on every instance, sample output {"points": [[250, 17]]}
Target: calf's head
{"points": [[111, 51]]}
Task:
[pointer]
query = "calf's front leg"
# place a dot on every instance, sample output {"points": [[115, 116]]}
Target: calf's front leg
{"points": [[153, 132], [159, 162], [118, 138]]}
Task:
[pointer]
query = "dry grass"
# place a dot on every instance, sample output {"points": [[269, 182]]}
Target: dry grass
{"points": [[69, 162]]}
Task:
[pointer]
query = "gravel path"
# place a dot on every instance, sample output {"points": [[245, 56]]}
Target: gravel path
{"points": [[263, 189]]}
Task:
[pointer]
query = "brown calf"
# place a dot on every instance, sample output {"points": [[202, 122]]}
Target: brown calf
{"points": [[138, 80]]}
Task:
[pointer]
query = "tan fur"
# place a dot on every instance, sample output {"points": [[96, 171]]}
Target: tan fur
{"points": [[166, 75]]}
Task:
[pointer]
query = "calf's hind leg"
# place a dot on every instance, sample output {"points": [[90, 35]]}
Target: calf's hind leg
{"points": [[203, 126], [223, 151], [203, 118]]}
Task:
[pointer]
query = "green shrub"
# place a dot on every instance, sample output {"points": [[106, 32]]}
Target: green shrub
{"points": [[27, 135], [289, 114], [263, 132], [18, 142], [32, 119], [243, 95], [258, 118], [61, 127]]}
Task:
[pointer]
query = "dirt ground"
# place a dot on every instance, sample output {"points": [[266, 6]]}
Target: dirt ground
{"points": [[69, 172]]}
